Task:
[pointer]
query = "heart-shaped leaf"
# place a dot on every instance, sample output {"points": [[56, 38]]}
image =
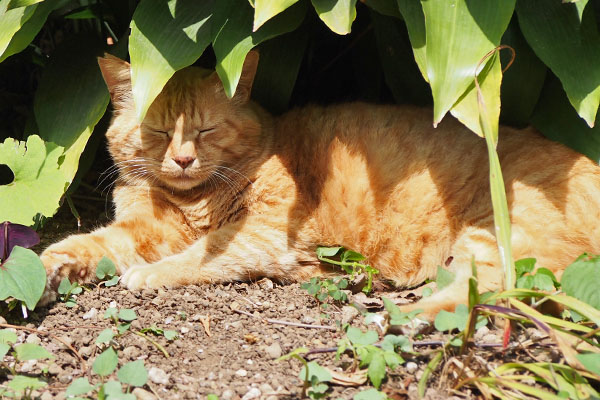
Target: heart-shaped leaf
{"points": [[23, 277]]}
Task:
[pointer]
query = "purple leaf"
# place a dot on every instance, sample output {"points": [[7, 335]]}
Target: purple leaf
{"points": [[12, 235]]}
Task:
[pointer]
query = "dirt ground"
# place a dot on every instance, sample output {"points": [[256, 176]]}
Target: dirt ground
{"points": [[227, 340]]}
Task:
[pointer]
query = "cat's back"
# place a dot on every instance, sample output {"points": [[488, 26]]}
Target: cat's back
{"points": [[378, 178]]}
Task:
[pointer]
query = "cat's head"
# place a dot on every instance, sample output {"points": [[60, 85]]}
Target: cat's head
{"points": [[191, 131]]}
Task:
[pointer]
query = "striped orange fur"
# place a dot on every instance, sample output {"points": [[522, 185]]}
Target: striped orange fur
{"points": [[212, 189]]}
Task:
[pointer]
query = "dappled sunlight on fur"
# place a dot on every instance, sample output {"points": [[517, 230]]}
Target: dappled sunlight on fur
{"points": [[213, 190]]}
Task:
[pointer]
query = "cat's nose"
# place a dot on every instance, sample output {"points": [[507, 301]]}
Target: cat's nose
{"points": [[183, 161]]}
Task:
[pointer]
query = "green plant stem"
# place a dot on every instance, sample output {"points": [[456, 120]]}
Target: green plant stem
{"points": [[155, 343], [431, 366]]}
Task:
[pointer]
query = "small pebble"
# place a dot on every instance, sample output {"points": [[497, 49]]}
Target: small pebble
{"points": [[253, 393], [159, 376], [274, 350], [168, 320], [113, 304], [54, 369], [33, 338], [241, 372], [227, 394], [46, 396], [28, 366], [90, 314], [141, 394], [348, 314], [411, 367], [184, 330]]}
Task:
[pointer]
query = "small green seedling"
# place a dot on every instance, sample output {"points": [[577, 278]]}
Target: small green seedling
{"points": [[68, 291], [321, 289], [543, 279], [314, 376], [20, 386], [376, 359], [168, 334], [349, 261], [106, 271], [131, 374]]}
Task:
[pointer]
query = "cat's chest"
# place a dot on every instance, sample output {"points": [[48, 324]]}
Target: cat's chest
{"points": [[209, 213]]}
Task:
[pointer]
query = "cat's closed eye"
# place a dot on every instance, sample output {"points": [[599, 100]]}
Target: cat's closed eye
{"points": [[205, 131]]}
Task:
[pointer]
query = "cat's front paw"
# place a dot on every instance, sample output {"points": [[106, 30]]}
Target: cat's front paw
{"points": [[149, 276], [63, 261]]}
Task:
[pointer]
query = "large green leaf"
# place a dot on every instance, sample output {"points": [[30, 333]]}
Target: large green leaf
{"points": [[165, 37], [38, 183], [23, 277], [280, 60], [467, 108], [22, 3], [11, 21], [71, 99], [415, 23], [338, 15], [264, 10], [522, 83], [556, 119], [234, 37], [580, 280], [565, 37], [459, 33], [31, 28], [402, 74]]}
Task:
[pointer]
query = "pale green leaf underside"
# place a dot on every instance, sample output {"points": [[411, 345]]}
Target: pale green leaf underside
{"points": [[11, 21], [67, 110], [38, 183], [459, 33], [30, 29], [165, 37], [567, 40], [264, 10], [22, 3], [234, 37], [466, 109], [338, 15]]}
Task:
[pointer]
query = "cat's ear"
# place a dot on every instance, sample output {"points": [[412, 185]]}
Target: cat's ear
{"points": [[117, 75], [244, 88]]}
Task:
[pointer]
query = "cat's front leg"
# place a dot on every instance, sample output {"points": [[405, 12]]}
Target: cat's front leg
{"points": [[239, 252], [133, 241]]}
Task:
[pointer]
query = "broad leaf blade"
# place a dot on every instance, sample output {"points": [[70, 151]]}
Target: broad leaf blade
{"points": [[67, 110], [522, 83], [234, 37], [11, 21], [338, 15], [38, 184], [30, 29], [466, 109], [165, 37], [556, 119], [22, 3], [23, 277], [280, 60], [459, 33], [415, 22], [106, 362], [566, 39], [133, 373], [264, 10]]}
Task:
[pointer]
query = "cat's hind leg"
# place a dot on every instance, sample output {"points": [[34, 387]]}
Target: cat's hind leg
{"points": [[476, 245]]}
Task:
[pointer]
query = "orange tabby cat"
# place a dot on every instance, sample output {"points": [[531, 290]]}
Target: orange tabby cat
{"points": [[218, 190]]}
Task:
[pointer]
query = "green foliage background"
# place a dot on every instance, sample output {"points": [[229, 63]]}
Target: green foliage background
{"points": [[423, 52]]}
